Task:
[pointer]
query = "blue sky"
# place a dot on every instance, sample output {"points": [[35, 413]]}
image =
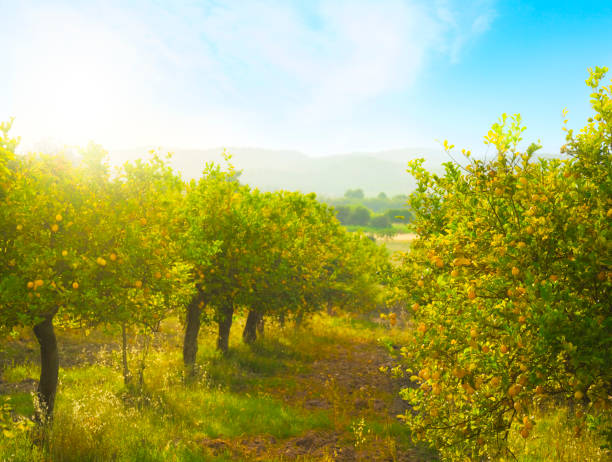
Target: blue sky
{"points": [[322, 77]]}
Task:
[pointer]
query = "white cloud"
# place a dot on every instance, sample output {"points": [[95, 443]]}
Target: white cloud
{"points": [[252, 73], [461, 23]]}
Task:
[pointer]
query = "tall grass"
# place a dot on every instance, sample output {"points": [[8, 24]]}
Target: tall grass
{"points": [[246, 394], [558, 437]]}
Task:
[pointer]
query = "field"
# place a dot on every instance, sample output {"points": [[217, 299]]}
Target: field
{"points": [[396, 243]]}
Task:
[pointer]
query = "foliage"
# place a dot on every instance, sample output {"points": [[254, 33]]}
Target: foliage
{"points": [[398, 216], [380, 221], [277, 254], [360, 215], [354, 194], [379, 204], [509, 280], [45, 239]]}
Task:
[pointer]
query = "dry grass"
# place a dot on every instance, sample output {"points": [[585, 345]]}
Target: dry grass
{"points": [[558, 436]]}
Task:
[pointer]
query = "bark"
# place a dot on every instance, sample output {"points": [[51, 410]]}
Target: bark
{"points": [[143, 360], [49, 369], [260, 326], [192, 329], [249, 334], [127, 375], [330, 308], [225, 324]]}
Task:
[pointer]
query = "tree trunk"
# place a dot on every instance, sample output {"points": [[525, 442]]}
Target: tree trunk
{"points": [[260, 326], [127, 376], [143, 360], [249, 334], [49, 369], [330, 308], [192, 329], [225, 324]]}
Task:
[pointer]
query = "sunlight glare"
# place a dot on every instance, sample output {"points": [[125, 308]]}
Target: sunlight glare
{"points": [[72, 82]]}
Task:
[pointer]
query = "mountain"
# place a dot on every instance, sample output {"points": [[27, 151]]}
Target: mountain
{"points": [[269, 170]]}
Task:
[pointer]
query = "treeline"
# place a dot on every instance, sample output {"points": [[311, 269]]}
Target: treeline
{"points": [[377, 204], [81, 245], [380, 212], [358, 215]]}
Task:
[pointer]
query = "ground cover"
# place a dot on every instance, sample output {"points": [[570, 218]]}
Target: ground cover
{"points": [[315, 393], [322, 392]]}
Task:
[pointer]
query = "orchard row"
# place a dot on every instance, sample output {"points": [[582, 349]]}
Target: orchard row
{"points": [[81, 244], [508, 282]]}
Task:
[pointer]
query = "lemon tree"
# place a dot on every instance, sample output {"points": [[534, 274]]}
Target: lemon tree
{"points": [[46, 234], [355, 273], [140, 274], [216, 243], [509, 282], [308, 262]]}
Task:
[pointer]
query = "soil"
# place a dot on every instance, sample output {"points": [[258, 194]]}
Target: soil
{"points": [[347, 381]]}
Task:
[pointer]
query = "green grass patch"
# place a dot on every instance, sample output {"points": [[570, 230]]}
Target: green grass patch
{"points": [[97, 418], [391, 429], [22, 404], [256, 366], [20, 372]]}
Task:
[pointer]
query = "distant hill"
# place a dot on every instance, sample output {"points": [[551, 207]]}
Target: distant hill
{"points": [[269, 170]]}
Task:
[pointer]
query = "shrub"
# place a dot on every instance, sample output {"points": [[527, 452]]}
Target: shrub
{"points": [[380, 221]]}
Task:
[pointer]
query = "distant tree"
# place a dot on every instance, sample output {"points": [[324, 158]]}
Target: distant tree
{"points": [[360, 216], [380, 221], [354, 194], [382, 196], [343, 213]]}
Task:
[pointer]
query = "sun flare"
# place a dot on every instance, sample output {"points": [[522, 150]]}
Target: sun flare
{"points": [[72, 82]]}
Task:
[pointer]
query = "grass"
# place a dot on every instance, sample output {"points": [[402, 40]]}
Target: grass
{"points": [[394, 246], [240, 395], [20, 372], [303, 394], [395, 228], [557, 436]]}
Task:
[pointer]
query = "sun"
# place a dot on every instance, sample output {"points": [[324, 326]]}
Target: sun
{"points": [[71, 82]]}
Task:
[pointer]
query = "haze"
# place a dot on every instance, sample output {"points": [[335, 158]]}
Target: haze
{"points": [[320, 78]]}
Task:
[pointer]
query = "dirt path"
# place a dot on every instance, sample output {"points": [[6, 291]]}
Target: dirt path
{"points": [[347, 382]]}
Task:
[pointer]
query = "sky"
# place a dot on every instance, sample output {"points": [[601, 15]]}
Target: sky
{"points": [[321, 77]]}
